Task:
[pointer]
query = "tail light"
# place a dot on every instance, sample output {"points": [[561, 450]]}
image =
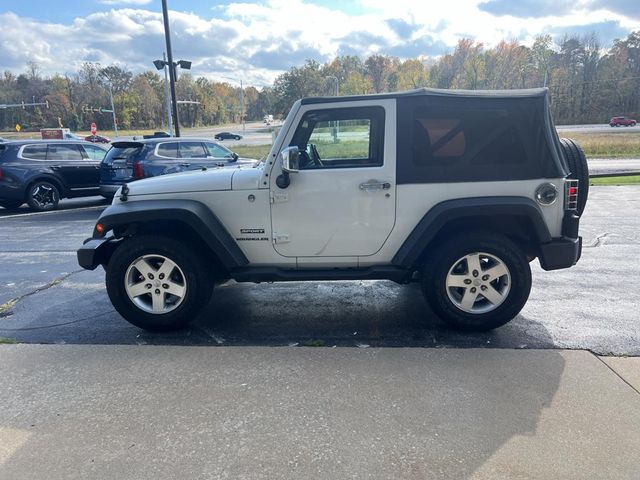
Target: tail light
{"points": [[1, 174], [138, 170], [571, 195]]}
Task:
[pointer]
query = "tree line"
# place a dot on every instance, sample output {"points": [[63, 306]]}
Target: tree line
{"points": [[587, 85]]}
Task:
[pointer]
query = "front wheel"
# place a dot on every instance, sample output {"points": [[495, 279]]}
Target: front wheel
{"points": [[157, 283], [478, 282]]}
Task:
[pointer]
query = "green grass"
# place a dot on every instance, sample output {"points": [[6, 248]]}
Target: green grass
{"points": [[355, 149], [8, 341], [252, 151], [607, 145], [629, 180]]}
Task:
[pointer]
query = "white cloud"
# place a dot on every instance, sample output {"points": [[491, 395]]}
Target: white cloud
{"points": [[257, 41]]}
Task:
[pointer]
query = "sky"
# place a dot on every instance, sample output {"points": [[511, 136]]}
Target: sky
{"points": [[256, 40]]}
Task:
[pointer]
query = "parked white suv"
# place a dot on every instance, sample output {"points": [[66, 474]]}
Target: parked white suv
{"points": [[457, 190]]}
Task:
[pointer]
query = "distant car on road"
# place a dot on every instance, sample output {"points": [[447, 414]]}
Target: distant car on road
{"points": [[227, 136], [97, 139], [128, 161], [622, 122], [41, 172]]}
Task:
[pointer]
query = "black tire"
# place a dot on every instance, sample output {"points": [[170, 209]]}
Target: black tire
{"points": [[447, 256], [198, 282], [11, 204], [43, 196], [577, 162]]}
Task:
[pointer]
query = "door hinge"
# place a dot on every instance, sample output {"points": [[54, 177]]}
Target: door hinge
{"points": [[278, 197], [279, 238]]}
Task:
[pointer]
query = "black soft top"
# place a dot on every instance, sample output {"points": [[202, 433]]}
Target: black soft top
{"points": [[435, 92], [447, 136]]}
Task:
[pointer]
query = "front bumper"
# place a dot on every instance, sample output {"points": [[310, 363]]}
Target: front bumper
{"points": [[96, 251]]}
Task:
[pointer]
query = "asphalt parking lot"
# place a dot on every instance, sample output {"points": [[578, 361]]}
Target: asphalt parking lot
{"points": [[46, 298]]}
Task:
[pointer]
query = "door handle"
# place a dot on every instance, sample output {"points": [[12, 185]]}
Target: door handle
{"points": [[374, 185], [185, 164]]}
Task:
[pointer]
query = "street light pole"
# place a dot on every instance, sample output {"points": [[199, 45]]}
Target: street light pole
{"points": [[242, 105], [172, 78], [113, 110], [167, 94]]}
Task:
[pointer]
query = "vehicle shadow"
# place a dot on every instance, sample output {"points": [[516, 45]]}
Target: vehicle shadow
{"points": [[367, 313]]}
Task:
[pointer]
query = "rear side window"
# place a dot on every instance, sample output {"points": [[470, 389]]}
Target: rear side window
{"points": [[63, 152], [93, 152], [169, 150], [447, 139], [35, 152], [192, 150], [217, 151], [475, 137]]}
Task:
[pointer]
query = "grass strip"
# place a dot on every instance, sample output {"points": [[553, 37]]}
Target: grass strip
{"points": [[630, 180]]}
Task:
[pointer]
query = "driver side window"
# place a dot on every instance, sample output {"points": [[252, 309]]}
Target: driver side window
{"points": [[341, 138]]}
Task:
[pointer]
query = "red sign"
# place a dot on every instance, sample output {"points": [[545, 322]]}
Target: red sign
{"points": [[94, 129]]}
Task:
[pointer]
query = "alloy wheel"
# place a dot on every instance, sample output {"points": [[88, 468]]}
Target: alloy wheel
{"points": [[155, 284], [478, 283]]}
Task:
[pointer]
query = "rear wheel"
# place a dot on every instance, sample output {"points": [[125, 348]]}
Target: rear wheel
{"points": [[478, 282], [157, 283], [43, 196], [577, 162]]}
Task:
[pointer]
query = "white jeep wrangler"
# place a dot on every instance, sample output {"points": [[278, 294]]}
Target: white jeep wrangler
{"points": [[457, 190]]}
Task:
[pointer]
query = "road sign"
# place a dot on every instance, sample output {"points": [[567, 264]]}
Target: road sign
{"points": [[18, 127], [94, 129]]}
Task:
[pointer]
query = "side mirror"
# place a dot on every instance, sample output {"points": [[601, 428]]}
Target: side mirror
{"points": [[290, 164], [290, 159], [235, 157]]}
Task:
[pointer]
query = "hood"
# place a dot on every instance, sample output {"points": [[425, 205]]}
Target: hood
{"points": [[192, 181]]}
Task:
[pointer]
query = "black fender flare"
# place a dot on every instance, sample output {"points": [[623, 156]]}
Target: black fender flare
{"points": [[437, 218], [190, 212]]}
